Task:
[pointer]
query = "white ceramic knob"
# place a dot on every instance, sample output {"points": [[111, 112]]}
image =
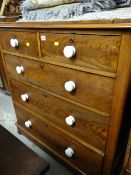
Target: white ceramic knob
{"points": [[70, 86], [69, 51], [14, 42], [19, 69], [70, 120], [69, 152], [28, 124], [24, 97]]}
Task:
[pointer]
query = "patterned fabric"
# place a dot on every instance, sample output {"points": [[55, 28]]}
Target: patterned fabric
{"points": [[58, 10], [124, 13], [52, 3], [102, 4], [94, 5], [63, 12], [123, 3]]}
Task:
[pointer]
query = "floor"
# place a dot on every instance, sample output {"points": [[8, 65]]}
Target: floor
{"points": [[8, 119]]}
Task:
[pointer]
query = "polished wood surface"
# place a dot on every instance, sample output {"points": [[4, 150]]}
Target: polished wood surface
{"points": [[53, 78], [3, 73], [62, 64], [122, 86], [94, 52], [101, 71], [87, 24], [59, 142], [89, 126], [16, 158], [29, 38]]}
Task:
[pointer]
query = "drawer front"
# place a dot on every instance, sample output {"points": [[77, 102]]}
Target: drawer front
{"points": [[86, 125], [83, 158], [27, 42], [92, 90], [91, 51]]}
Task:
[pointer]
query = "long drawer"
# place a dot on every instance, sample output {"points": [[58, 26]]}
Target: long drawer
{"points": [[88, 126], [92, 90], [76, 154], [20, 42], [91, 51]]}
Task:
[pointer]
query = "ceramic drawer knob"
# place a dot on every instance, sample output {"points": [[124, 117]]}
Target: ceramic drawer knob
{"points": [[24, 97], [69, 152], [70, 120], [28, 124], [69, 51], [14, 43], [70, 86], [19, 69]]}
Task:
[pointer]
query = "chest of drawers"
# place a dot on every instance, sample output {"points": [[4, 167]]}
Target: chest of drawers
{"points": [[69, 85]]}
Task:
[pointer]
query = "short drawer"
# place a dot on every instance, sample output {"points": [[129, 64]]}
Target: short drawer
{"points": [[84, 124], [92, 90], [24, 43], [74, 153], [91, 51]]}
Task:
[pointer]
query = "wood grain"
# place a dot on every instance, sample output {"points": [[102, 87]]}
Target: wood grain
{"points": [[97, 101], [59, 142], [85, 24], [71, 66], [3, 72], [31, 136], [23, 38], [123, 80], [94, 52], [89, 126], [92, 90]]}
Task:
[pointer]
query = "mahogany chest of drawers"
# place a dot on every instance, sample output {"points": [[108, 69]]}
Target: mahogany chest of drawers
{"points": [[69, 84]]}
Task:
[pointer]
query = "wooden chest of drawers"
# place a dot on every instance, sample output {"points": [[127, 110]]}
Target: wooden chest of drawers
{"points": [[69, 86]]}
